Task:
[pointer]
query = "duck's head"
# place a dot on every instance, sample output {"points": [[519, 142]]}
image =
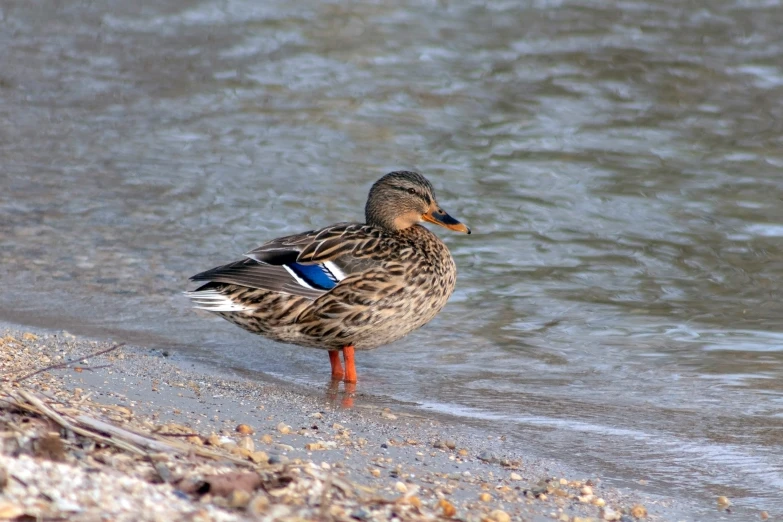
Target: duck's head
{"points": [[402, 199]]}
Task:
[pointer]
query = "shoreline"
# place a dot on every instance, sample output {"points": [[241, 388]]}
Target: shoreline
{"points": [[394, 451]]}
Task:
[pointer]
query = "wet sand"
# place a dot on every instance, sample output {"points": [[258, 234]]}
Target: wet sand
{"points": [[387, 448]]}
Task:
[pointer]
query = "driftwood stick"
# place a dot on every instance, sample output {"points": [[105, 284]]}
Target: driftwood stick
{"points": [[123, 434], [38, 406], [66, 363]]}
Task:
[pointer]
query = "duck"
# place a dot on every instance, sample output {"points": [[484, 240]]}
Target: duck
{"points": [[347, 287]]}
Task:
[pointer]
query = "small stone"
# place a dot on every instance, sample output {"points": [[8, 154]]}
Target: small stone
{"points": [[277, 459], [258, 504], [639, 511], [485, 497], [27, 336], [10, 511], [195, 440], [586, 490], [317, 415], [284, 428], [515, 476], [248, 444], [360, 514], [764, 515], [244, 429], [451, 444], [267, 439], [448, 508], [611, 514], [414, 501], [723, 502], [401, 487], [259, 457], [387, 415], [439, 444], [239, 498], [599, 502], [488, 456], [375, 473], [563, 482], [563, 517], [542, 497], [499, 515], [463, 453], [213, 440], [314, 446], [337, 426]]}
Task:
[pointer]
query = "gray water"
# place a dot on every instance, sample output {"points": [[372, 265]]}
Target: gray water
{"points": [[618, 305]]}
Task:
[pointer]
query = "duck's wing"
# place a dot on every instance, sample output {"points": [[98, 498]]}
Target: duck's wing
{"points": [[308, 264]]}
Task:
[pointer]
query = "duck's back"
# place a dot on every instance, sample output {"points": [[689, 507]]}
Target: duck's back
{"points": [[349, 284]]}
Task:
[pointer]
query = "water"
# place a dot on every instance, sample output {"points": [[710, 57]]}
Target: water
{"points": [[618, 304]]}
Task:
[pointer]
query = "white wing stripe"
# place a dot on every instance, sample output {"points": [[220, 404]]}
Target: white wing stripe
{"points": [[214, 301], [298, 279]]}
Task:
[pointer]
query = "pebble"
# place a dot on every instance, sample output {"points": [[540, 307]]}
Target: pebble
{"points": [[515, 476], [586, 490], [599, 502], [259, 457], [317, 415], [639, 511], [9, 511], [195, 440], [244, 429], [723, 502], [463, 453], [451, 444], [258, 504], [448, 508], [499, 515], [401, 487], [387, 415], [277, 459], [485, 497], [284, 428], [764, 515], [375, 473], [239, 498], [248, 444], [314, 446], [488, 456], [611, 514], [267, 439]]}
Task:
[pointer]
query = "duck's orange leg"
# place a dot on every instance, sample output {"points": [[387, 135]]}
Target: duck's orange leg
{"points": [[350, 366], [337, 368]]}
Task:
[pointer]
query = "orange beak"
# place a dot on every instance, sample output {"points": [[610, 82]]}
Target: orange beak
{"points": [[440, 217]]}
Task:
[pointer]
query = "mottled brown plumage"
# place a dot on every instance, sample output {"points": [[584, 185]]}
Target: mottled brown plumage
{"points": [[359, 285]]}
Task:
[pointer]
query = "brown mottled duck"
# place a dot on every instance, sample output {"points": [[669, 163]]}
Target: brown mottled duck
{"points": [[349, 286]]}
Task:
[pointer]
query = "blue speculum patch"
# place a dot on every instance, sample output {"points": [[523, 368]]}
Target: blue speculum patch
{"points": [[316, 276]]}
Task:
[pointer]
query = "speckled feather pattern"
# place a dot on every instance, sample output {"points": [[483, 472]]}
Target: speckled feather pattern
{"points": [[406, 278]]}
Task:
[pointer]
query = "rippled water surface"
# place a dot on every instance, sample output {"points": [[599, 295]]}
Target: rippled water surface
{"points": [[620, 163]]}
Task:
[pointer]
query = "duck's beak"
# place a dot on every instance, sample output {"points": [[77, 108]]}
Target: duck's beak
{"points": [[440, 217]]}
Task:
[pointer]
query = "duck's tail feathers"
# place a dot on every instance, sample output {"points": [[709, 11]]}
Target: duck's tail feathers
{"points": [[214, 301]]}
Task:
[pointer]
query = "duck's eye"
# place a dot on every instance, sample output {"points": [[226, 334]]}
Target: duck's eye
{"points": [[412, 191]]}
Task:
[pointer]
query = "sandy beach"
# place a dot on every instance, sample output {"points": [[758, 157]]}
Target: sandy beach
{"points": [[249, 450]]}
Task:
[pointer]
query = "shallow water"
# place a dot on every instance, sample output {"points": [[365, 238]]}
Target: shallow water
{"points": [[618, 304]]}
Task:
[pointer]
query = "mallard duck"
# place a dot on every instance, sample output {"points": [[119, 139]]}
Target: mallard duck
{"points": [[349, 286]]}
